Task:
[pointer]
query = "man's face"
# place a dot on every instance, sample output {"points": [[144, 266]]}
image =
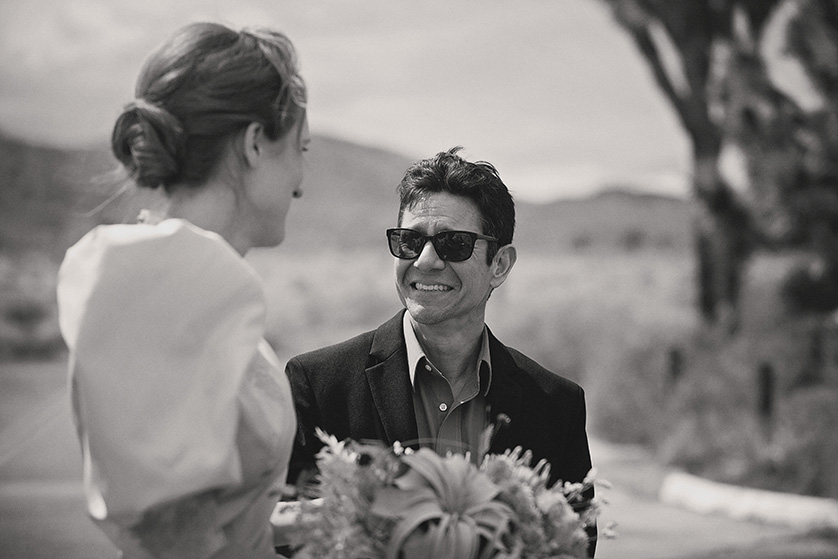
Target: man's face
{"points": [[438, 292]]}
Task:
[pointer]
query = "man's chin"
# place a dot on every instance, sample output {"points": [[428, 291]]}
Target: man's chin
{"points": [[423, 314]]}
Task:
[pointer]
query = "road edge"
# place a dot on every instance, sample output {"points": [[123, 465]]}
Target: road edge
{"points": [[701, 495]]}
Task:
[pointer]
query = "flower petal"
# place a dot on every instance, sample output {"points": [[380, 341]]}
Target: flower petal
{"points": [[456, 481], [396, 503]]}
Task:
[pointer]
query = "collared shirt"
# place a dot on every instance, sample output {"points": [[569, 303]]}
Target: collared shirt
{"points": [[449, 422]]}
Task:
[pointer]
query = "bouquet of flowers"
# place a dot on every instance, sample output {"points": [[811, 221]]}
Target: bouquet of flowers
{"points": [[377, 502]]}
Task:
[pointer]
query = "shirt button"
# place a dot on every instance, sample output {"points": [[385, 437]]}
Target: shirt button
{"points": [[443, 406], [427, 367]]}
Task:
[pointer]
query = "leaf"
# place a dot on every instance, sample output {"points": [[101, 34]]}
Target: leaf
{"points": [[493, 516], [437, 537], [460, 536], [405, 528]]}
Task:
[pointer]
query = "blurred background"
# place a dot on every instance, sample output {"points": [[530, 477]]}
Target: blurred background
{"points": [[674, 165]]}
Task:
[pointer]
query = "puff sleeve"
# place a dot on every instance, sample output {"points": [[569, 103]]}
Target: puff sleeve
{"points": [[162, 322]]}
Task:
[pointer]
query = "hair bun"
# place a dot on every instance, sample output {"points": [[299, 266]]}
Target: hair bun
{"points": [[147, 139]]}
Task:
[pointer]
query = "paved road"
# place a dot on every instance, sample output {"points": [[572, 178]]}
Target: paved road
{"points": [[42, 509], [648, 529], [41, 502]]}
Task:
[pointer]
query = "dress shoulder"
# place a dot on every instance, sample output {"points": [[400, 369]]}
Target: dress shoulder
{"points": [[162, 322]]}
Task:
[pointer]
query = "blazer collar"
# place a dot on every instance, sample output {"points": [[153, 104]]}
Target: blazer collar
{"points": [[390, 383], [388, 338], [392, 392], [505, 397]]}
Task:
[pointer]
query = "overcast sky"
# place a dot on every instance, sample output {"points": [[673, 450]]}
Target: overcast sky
{"points": [[550, 91]]}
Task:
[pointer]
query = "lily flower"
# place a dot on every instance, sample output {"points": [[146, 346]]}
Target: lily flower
{"points": [[445, 507]]}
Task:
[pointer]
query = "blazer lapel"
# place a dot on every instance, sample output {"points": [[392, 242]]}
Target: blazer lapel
{"points": [[389, 382], [504, 398]]}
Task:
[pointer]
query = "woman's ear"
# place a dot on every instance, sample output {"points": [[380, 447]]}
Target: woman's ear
{"points": [[252, 140], [502, 264]]}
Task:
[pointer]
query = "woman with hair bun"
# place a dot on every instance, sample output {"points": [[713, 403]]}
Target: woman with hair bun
{"points": [[182, 409]]}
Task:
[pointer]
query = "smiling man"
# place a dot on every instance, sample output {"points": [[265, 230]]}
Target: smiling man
{"points": [[434, 375]]}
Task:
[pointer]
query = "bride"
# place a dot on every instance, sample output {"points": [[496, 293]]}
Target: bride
{"points": [[183, 412]]}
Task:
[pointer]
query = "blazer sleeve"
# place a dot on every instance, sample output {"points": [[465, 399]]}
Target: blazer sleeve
{"points": [[579, 449], [577, 442], [306, 444]]}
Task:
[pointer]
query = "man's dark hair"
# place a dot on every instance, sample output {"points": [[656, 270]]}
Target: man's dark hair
{"points": [[478, 181]]}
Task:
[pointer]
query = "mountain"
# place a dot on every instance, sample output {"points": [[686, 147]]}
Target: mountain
{"points": [[615, 218], [49, 197], [349, 197], [39, 189]]}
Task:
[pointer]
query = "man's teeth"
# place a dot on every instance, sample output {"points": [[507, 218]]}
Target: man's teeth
{"points": [[434, 287]]}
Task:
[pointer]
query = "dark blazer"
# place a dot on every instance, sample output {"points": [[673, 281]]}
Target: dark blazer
{"points": [[360, 389]]}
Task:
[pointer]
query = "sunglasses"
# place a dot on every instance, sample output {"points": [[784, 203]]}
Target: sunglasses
{"points": [[451, 246]]}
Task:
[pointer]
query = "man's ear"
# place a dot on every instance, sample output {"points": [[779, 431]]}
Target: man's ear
{"points": [[502, 264], [251, 140]]}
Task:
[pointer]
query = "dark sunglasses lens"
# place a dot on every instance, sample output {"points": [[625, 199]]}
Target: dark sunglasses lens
{"points": [[405, 243], [454, 246], [451, 246]]}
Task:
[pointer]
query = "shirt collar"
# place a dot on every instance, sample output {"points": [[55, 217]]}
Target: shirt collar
{"points": [[415, 352]]}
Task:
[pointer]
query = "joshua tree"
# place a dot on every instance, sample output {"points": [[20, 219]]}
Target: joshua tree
{"points": [[709, 59]]}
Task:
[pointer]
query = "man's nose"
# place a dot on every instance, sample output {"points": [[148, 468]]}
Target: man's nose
{"points": [[428, 259]]}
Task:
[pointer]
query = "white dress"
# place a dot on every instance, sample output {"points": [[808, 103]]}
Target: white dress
{"points": [[183, 411]]}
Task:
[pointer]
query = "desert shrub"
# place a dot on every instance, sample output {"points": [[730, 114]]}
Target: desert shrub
{"points": [[581, 241], [811, 289], [323, 298], [711, 424], [25, 314], [717, 427], [803, 449], [629, 408], [716, 434], [28, 316], [632, 239], [607, 321], [665, 242], [611, 321]]}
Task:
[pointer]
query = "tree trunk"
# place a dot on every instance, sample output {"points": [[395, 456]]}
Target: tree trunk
{"points": [[721, 233]]}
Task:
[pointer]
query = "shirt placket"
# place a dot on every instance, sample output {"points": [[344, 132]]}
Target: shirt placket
{"points": [[451, 427]]}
